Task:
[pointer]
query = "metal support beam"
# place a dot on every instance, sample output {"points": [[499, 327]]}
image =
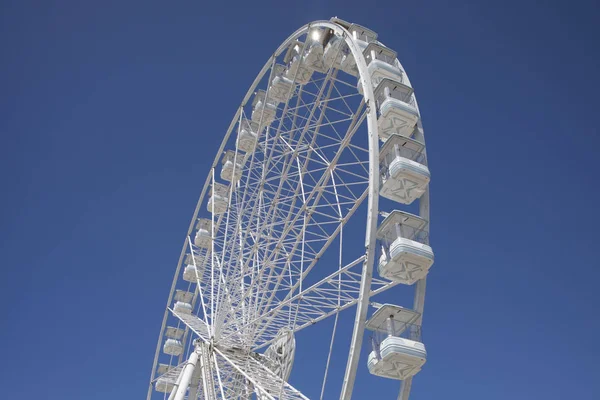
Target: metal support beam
{"points": [[180, 389]]}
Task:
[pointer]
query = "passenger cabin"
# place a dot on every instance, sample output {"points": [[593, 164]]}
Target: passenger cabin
{"points": [[396, 110], [297, 71], [348, 63], [381, 64], [281, 87], [218, 199], [203, 233], [184, 297], [173, 347], [337, 54], [183, 302], [313, 52], [163, 385], [397, 350], [362, 37], [335, 51], [247, 135], [182, 308], [195, 268], [163, 368], [192, 273], [403, 174], [233, 165], [361, 33], [405, 255], [263, 109], [174, 333]]}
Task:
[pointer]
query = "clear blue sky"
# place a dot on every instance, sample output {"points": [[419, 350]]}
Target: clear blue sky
{"points": [[111, 113]]}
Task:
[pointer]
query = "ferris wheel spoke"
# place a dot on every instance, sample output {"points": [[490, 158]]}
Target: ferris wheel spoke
{"points": [[321, 301], [316, 257], [265, 382], [331, 295], [328, 297], [268, 161], [275, 205], [331, 237], [317, 193], [200, 291], [287, 166], [195, 324]]}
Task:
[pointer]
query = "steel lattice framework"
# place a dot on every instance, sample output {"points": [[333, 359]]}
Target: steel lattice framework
{"points": [[315, 167]]}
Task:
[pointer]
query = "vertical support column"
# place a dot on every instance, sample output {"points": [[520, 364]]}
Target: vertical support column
{"points": [[375, 346], [208, 384], [390, 325], [399, 232], [195, 384], [185, 377]]}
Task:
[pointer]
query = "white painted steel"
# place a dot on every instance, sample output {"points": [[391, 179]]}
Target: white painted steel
{"points": [[181, 387], [296, 181]]}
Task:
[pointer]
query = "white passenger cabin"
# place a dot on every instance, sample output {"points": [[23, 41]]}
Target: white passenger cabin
{"points": [[313, 52], [182, 308], [396, 108], [361, 33], [397, 350], [348, 64], [203, 233], [297, 70], [247, 135], [381, 64], [163, 368], [335, 51], [183, 302], [233, 166], [184, 296], [173, 347], [362, 37], [174, 333], [403, 174], [405, 255], [163, 385], [192, 273], [281, 87], [263, 109], [195, 268], [218, 199]]}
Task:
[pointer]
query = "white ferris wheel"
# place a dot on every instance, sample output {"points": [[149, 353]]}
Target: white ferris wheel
{"points": [[328, 132]]}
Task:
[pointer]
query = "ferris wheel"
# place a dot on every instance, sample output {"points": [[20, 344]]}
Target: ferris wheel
{"points": [[327, 146]]}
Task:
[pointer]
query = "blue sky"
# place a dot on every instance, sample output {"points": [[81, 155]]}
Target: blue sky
{"points": [[112, 112]]}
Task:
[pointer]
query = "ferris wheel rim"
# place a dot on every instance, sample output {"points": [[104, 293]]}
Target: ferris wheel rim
{"points": [[372, 209]]}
